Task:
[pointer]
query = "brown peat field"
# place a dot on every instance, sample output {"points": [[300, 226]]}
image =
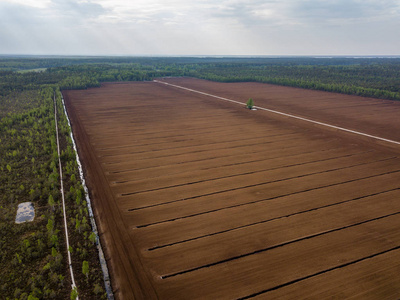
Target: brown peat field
{"points": [[198, 197]]}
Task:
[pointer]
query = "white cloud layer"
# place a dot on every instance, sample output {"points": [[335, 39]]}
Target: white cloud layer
{"points": [[200, 27]]}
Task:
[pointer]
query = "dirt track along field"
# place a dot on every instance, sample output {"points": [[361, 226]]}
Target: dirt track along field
{"points": [[201, 198]]}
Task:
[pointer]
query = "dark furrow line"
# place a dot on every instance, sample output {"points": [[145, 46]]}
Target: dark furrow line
{"points": [[170, 136], [319, 273], [272, 219], [253, 185], [199, 145], [185, 153], [194, 138], [244, 162], [173, 132], [134, 121], [244, 204], [197, 160], [242, 174], [151, 144], [249, 153], [191, 152], [275, 157], [148, 144], [148, 138], [95, 124], [275, 246]]}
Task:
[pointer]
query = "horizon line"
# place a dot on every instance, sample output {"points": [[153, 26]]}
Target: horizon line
{"points": [[201, 56]]}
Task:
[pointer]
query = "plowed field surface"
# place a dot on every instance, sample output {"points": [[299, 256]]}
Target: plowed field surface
{"points": [[197, 197]]}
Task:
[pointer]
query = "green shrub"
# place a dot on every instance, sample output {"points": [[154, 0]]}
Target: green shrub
{"points": [[250, 103]]}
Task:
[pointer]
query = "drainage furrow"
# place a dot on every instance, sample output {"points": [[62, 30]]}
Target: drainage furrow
{"points": [[206, 150], [238, 164], [146, 135], [269, 220], [196, 160], [254, 185], [226, 207], [170, 136], [240, 174], [276, 246], [319, 273]]}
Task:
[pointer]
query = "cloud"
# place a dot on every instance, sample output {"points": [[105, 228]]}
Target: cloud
{"points": [[199, 26], [348, 11], [77, 9], [11, 13], [306, 12], [17, 27]]}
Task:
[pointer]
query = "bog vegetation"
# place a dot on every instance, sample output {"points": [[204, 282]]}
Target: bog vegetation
{"points": [[33, 255]]}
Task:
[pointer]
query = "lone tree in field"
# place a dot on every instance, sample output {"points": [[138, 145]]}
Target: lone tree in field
{"points": [[250, 103]]}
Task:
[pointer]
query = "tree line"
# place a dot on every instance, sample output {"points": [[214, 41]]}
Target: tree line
{"points": [[370, 77], [371, 80]]}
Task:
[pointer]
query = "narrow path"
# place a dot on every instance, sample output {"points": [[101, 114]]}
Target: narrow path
{"points": [[73, 285], [286, 115]]}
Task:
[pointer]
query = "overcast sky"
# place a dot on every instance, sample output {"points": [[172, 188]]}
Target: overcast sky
{"points": [[200, 27]]}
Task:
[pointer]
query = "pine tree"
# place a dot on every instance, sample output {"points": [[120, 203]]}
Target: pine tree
{"points": [[250, 103]]}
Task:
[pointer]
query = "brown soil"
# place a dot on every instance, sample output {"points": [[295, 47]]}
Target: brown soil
{"points": [[200, 198]]}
